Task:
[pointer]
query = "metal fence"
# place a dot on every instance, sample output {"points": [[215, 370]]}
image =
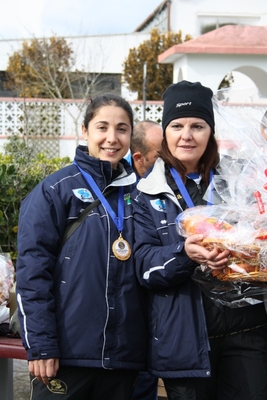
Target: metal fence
{"points": [[55, 126]]}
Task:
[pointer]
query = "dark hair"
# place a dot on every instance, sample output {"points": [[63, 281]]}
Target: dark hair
{"points": [[207, 162], [106, 99], [138, 141]]}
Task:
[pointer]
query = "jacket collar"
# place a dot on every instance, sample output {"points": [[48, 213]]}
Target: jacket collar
{"points": [[102, 170], [155, 182], [126, 177]]}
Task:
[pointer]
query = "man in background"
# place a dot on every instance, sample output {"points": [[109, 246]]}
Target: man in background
{"points": [[145, 144]]}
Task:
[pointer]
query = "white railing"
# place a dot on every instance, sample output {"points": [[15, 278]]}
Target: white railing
{"points": [[56, 125]]}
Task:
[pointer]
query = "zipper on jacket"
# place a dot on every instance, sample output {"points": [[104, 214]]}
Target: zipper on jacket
{"points": [[205, 322], [199, 188]]}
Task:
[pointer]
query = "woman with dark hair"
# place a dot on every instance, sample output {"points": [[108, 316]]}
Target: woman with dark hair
{"points": [[80, 306], [201, 351]]}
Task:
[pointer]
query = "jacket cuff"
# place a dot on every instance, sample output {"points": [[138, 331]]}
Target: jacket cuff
{"points": [[179, 252], [34, 354]]}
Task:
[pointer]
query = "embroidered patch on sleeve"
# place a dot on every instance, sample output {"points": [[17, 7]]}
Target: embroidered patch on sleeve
{"points": [[158, 205], [83, 194]]}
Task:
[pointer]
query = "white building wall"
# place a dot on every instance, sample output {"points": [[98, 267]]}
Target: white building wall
{"points": [[106, 53], [100, 53], [194, 67], [96, 54], [190, 15]]}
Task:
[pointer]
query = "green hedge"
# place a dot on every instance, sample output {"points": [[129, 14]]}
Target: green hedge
{"points": [[21, 169]]}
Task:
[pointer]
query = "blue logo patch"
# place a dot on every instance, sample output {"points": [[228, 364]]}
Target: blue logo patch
{"points": [[158, 204], [83, 194]]}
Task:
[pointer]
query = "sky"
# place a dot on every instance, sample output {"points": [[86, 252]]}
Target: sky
{"points": [[39, 18]]}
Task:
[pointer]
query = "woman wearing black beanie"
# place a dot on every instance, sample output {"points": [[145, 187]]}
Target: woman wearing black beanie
{"points": [[201, 351]]}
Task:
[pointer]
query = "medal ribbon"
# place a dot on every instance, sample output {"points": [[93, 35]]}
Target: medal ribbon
{"points": [[181, 186], [118, 221]]}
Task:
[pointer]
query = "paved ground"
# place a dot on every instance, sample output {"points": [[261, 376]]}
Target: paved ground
{"points": [[21, 378]]}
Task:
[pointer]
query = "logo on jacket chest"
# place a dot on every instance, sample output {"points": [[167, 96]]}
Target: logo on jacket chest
{"points": [[83, 194], [158, 205]]}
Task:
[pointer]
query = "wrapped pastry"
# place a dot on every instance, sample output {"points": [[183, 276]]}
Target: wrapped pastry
{"points": [[6, 276], [227, 228]]}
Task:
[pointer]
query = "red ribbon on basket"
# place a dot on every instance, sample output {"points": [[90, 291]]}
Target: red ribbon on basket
{"points": [[265, 185], [260, 202]]}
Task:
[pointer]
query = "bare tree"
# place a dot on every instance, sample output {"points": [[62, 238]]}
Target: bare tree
{"points": [[45, 68]]}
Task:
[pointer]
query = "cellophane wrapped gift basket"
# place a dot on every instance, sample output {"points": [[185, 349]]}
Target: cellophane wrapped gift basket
{"points": [[236, 220], [7, 273]]}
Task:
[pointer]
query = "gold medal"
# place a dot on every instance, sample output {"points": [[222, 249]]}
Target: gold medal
{"points": [[121, 249]]}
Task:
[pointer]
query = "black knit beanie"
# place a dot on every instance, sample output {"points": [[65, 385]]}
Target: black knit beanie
{"points": [[187, 99]]}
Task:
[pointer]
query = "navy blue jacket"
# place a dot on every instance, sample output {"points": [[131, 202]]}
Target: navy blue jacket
{"points": [[181, 318], [178, 343], [80, 304]]}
